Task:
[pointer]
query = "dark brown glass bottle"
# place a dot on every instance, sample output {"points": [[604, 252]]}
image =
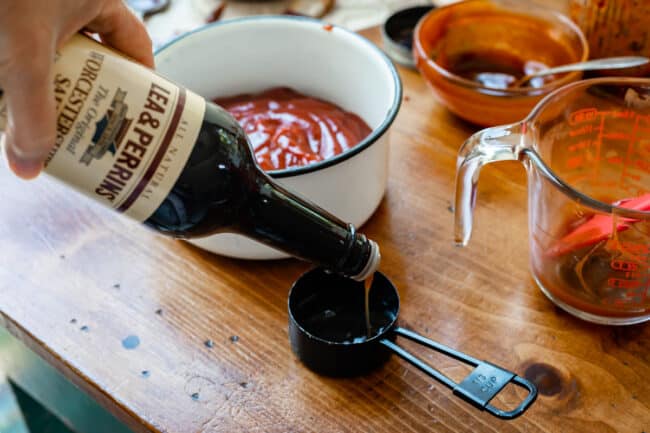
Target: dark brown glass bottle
{"points": [[221, 189], [160, 154]]}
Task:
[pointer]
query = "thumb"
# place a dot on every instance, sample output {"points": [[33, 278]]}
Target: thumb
{"points": [[31, 112]]}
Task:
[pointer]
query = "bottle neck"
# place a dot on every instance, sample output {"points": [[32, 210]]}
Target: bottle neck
{"points": [[281, 220]]}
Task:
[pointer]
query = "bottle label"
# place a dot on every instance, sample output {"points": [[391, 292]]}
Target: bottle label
{"points": [[123, 133]]}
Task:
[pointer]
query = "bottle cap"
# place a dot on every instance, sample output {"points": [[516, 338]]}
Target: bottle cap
{"points": [[373, 262], [397, 33]]}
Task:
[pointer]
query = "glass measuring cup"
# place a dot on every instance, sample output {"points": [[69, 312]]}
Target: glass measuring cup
{"points": [[329, 334], [586, 148]]}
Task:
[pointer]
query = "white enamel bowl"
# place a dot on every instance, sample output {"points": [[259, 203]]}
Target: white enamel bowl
{"points": [[253, 54]]}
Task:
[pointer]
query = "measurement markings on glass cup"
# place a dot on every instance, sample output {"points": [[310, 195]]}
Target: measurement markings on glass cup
{"points": [[632, 275], [628, 136]]}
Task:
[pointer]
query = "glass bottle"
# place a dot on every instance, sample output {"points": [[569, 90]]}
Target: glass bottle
{"points": [[161, 155]]}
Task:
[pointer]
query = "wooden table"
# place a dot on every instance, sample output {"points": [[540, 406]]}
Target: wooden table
{"points": [[75, 281]]}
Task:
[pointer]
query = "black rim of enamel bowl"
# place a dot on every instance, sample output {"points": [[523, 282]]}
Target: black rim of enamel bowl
{"points": [[363, 144]]}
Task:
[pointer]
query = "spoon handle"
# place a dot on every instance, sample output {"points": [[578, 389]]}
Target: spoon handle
{"points": [[608, 63]]}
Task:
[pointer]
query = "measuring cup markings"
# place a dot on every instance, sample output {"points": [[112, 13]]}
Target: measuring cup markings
{"points": [[630, 150], [632, 273], [599, 143], [578, 118], [583, 115]]}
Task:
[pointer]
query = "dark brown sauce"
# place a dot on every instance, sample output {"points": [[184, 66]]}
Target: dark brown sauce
{"points": [[345, 326], [496, 69]]}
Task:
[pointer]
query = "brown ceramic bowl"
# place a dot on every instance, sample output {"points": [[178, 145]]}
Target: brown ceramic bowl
{"points": [[452, 37]]}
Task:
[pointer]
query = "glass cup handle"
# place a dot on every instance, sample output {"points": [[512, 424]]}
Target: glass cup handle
{"points": [[501, 143]]}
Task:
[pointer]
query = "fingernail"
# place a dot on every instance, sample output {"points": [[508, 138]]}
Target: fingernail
{"points": [[22, 167]]}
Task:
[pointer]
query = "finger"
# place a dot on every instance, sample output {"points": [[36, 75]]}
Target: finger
{"points": [[30, 106], [119, 28]]}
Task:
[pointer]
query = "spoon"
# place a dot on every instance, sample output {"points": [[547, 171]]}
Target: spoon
{"points": [[592, 65]]}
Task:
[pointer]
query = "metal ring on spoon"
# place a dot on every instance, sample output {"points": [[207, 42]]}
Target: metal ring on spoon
{"points": [[328, 333]]}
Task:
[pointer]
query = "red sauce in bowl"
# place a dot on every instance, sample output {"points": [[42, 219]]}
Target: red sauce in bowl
{"points": [[289, 129]]}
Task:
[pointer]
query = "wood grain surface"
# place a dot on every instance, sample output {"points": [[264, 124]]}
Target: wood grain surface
{"points": [[76, 281]]}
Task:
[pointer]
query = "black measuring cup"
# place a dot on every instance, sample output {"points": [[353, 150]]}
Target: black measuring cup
{"points": [[329, 334]]}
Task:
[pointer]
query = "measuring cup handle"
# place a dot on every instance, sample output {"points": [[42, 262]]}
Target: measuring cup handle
{"points": [[479, 387], [500, 143]]}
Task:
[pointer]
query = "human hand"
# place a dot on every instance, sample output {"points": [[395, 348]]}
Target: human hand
{"points": [[30, 33]]}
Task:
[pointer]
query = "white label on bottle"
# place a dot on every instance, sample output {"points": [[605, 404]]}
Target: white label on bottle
{"points": [[124, 133]]}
